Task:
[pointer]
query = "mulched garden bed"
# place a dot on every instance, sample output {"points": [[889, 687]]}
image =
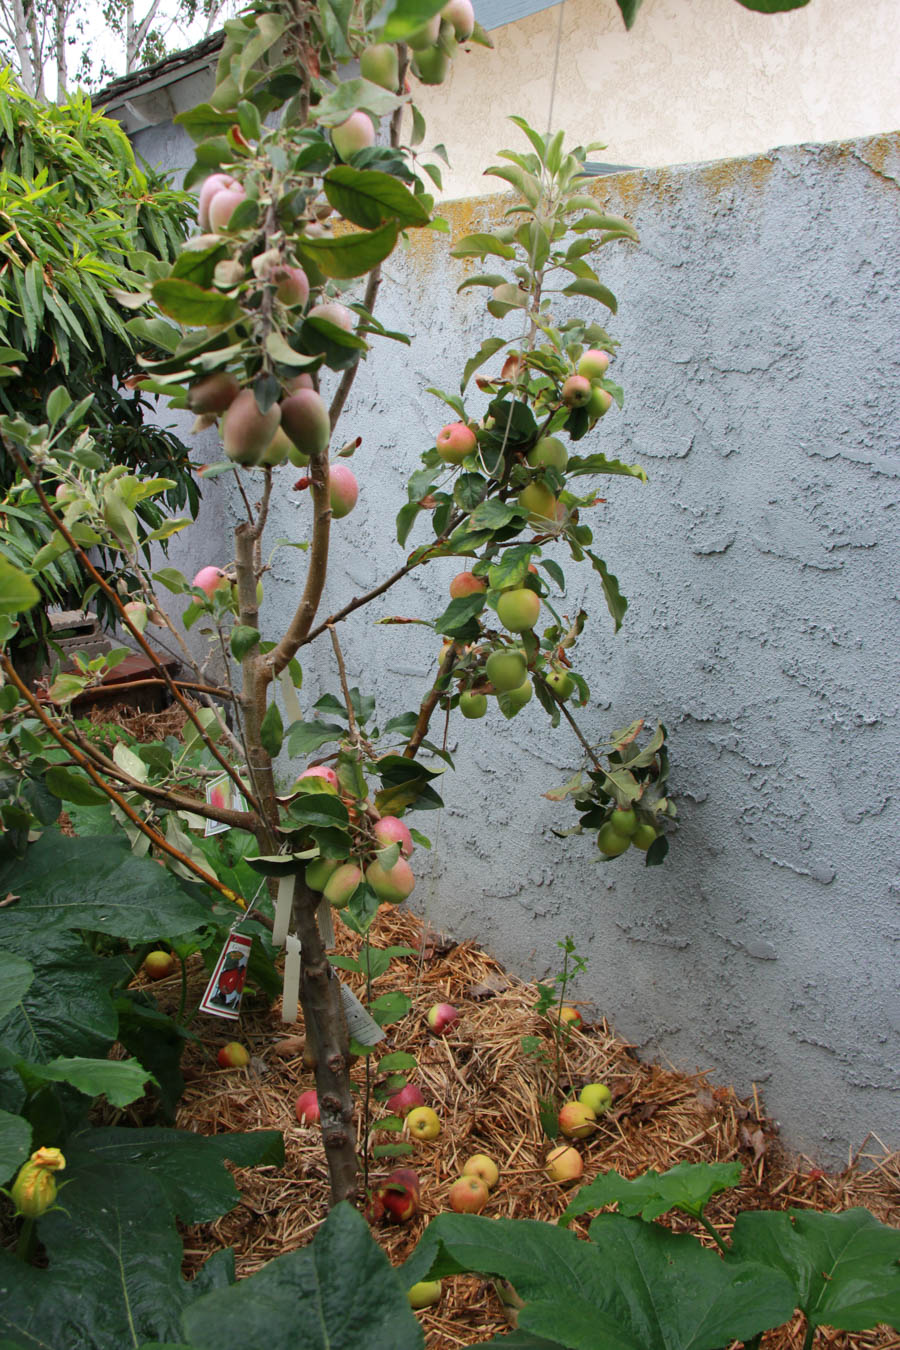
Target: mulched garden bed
{"points": [[485, 1090]]}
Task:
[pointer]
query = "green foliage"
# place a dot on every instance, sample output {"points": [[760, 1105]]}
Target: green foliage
{"points": [[638, 1285], [339, 1293], [629, 8], [82, 224], [687, 1186]]}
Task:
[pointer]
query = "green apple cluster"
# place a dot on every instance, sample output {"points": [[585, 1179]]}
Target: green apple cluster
{"points": [[623, 829]]}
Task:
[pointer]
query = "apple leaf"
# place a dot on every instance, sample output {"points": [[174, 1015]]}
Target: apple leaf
{"points": [[844, 1268], [616, 602], [17, 591], [191, 304], [339, 1293], [367, 197], [350, 255], [687, 1186]]}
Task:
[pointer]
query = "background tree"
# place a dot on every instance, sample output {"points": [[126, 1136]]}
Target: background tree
{"points": [[81, 220]]}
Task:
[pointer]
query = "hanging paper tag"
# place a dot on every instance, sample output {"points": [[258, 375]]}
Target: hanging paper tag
{"points": [[326, 923], [283, 905], [290, 994], [360, 1024], [226, 987], [222, 792]]}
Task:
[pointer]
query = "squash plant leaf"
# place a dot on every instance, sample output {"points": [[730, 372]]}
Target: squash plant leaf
{"points": [[845, 1268], [687, 1186], [339, 1293], [633, 1286]]}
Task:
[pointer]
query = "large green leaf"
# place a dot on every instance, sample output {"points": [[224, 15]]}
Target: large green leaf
{"points": [[339, 1293], [844, 1268], [16, 977], [67, 1010], [687, 1186], [114, 1276], [120, 1081], [350, 255], [367, 198], [305, 737], [114, 1253], [15, 1143], [99, 885], [635, 1286], [190, 1167]]}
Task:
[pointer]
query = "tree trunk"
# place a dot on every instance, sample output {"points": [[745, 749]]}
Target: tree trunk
{"points": [[326, 1032]]}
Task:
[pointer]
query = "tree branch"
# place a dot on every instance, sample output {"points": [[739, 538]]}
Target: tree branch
{"points": [[152, 834], [429, 703]]}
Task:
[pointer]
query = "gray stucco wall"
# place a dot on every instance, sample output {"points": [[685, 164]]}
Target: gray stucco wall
{"points": [[760, 354]]}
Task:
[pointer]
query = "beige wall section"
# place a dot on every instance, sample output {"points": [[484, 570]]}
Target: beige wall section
{"points": [[693, 80]]}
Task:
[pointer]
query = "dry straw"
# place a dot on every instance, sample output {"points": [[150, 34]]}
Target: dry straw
{"points": [[486, 1091]]}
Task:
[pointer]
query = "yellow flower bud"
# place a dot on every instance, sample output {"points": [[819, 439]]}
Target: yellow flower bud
{"points": [[34, 1189]]}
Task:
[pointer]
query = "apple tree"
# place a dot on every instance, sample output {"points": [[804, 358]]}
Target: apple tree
{"points": [[307, 181]]}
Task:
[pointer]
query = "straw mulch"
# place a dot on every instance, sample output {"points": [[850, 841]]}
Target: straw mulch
{"points": [[486, 1093]]}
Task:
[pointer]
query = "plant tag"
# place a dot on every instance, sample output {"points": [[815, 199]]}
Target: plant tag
{"points": [[226, 987], [283, 904], [290, 993], [222, 792], [326, 923], [360, 1024]]}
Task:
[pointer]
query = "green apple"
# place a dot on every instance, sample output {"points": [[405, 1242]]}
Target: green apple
{"points": [[561, 683], [424, 1294], [596, 1096], [643, 837], [610, 841], [472, 704], [625, 821], [506, 669]]}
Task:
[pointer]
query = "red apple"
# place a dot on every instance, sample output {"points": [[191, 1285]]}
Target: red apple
{"points": [[333, 313], [594, 364], [355, 134], [321, 771], [307, 1108], [233, 1056], [454, 442], [391, 884], [399, 1194], [209, 579], [576, 1121], [571, 1016], [402, 1102], [390, 830], [468, 1195], [343, 490], [576, 391], [466, 583], [440, 1016], [215, 183], [223, 205]]}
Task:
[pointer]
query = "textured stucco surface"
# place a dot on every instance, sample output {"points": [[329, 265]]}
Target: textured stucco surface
{"points": [[693, 80], [760, 358]]}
